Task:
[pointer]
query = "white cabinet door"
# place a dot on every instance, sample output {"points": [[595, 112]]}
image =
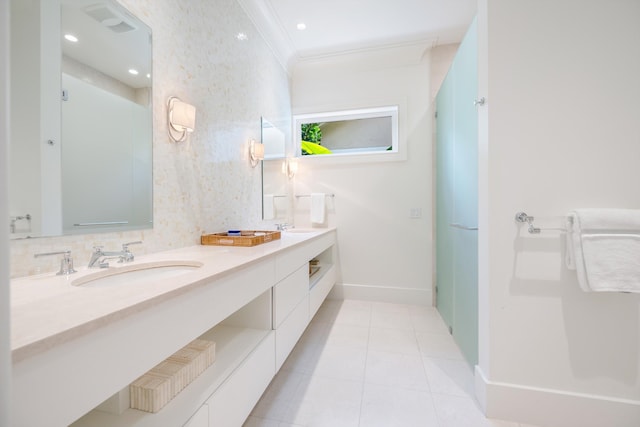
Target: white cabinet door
{"points": [[290, 331], [232, 402], [288, 293], [319, 292]]}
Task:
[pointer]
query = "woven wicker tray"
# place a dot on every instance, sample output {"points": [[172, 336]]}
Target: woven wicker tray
{"points": [[246, 238]]}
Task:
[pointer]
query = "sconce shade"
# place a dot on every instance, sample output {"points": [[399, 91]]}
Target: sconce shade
{"points": [[181, 117], [256, 152], [259, 151]]}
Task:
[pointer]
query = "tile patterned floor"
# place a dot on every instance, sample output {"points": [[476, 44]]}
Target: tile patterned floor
{"points": [[370, 364]]}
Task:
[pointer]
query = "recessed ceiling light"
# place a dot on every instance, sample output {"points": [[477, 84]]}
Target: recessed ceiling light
{"points": [[242, 36], [133, 71], [301, 26], [71, 38], [148, 76]]}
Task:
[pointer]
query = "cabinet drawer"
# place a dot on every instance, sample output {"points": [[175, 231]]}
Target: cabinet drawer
{"points": [[289, 260], [291, 330], [319, 292], [288, 293], [232, 402]]}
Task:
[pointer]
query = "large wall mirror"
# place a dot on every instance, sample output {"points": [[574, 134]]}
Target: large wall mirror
{"points": [[81, 124], [275, 199], [350, 132]]}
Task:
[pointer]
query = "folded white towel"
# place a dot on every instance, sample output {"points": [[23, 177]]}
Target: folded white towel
{"points": [[606, 244], [608, 219], [268, 208], [317, 208]]}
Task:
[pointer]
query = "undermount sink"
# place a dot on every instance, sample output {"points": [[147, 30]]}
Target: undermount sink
{"points": [[137, 273]]}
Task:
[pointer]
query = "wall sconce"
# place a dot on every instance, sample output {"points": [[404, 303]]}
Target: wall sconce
{"points": [[290, 167], [256, 152], [181, 118]]}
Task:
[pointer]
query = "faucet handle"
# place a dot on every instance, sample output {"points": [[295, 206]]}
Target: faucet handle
{"points": [[127, 256], [97, 248], [66, 263], [125, 246]]}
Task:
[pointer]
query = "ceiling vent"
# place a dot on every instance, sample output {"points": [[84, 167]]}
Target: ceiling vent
{"points": [[111, 19]]}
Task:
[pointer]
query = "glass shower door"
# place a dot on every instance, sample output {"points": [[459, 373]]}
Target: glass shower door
{"points": [[444, 200], [457, 198], [465, 205]]}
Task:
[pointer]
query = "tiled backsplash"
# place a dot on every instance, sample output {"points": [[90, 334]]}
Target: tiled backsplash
{"points": [[205, 184]]}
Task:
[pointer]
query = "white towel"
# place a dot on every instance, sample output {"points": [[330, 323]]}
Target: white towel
{"points": [[268, 208], [606, 244], [317, 208]]}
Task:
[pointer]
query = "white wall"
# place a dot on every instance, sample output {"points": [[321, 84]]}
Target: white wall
{"points": [[5, 331], [560, 130], [441, 59], [207, 183], [384, 254]]}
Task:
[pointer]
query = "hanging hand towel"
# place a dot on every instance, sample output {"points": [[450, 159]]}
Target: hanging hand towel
{"points": [[268, 207], [606, 243], [317, 208]]}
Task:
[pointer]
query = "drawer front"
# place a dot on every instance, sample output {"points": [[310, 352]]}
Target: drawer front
{"points": [[319, 292], [233, 401], [289, 260], [288, 334], [288, 293]]}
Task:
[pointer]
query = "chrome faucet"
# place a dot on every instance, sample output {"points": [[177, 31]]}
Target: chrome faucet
{"points": [[100, 257], [284, 226], [66, 263], [127, 256]]}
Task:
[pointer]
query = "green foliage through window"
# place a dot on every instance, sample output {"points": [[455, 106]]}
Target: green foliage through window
{"points": [[311, 132]]}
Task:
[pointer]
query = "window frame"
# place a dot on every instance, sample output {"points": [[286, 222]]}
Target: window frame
{"points": [[391, 111]]}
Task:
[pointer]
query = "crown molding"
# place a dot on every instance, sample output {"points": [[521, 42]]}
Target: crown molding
{"points": [[263, 18]]}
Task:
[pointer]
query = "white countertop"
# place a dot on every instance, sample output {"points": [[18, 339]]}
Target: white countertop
{"points": [[47, 310]]}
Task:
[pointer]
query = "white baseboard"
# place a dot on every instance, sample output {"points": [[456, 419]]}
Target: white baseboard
{"points": [[382, 294], [553, 408]]}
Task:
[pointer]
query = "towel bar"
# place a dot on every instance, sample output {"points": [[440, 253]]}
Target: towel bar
{"points": [[522, 217], [309, 195], [14, 219], [92, 224]]}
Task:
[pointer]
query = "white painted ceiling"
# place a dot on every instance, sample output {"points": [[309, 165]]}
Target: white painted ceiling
{"points": [[335, 26], [332, 27]]}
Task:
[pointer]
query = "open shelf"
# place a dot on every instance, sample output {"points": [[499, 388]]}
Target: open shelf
{"points": [[233, 345], [318, 274], [325, 262]]}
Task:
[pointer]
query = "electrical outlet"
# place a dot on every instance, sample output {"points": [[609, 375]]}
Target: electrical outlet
{"points": [[415, 213]]}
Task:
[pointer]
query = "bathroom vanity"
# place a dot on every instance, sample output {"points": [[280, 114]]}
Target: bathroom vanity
{"points": [[77, 348]]}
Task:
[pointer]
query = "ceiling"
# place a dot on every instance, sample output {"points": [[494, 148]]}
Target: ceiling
{"points": [[337, 26], [332, 27]]}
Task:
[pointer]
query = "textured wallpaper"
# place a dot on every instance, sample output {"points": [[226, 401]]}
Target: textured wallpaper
{"points": [[205, 184]]}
